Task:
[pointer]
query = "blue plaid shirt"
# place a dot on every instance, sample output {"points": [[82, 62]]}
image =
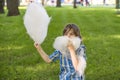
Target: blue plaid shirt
{"points": [[67, 71]]}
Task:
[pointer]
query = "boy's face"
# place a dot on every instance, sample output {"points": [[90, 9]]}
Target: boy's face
{"points": [[70, 33]]}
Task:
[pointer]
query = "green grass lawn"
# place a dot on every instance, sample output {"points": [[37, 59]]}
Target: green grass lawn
{"points": [[100, 29]]}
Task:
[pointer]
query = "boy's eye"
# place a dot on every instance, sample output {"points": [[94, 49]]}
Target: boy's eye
{"points": [[71, 34]]}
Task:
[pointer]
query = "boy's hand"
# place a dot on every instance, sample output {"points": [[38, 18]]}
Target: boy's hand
{"points": [[70, 45], [36, 45]]}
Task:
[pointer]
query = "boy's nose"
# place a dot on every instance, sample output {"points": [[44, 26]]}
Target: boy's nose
{"points": [[68, 35]]}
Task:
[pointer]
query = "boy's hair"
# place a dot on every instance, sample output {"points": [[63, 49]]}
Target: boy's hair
{"points": [[75, 28]]}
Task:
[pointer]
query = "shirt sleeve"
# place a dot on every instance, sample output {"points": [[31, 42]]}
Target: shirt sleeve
{"points": [[55, 55], [82, 60], [81, 51]]}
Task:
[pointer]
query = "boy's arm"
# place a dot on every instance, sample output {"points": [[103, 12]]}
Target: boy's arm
{"points": [[73, 55], [42, 53]]}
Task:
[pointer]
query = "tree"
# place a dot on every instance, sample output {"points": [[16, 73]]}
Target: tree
{"points": [[43, 2], [58, 3], [74, 4], [12, 6], [118, 6], [2, 6], [104, 2]]}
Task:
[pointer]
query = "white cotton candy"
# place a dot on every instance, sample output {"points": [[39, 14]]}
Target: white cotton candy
{"points": [[76, 42], [36, 21], [61, 44], [82, 63]]}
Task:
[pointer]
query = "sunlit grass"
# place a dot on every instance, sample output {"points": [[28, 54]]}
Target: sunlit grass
{"points": [[10, 47], [118, 15], [115, 36], [23, 7]]}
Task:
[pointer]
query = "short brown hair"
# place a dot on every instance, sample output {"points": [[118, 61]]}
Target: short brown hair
{"points": [[75, 28]]}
